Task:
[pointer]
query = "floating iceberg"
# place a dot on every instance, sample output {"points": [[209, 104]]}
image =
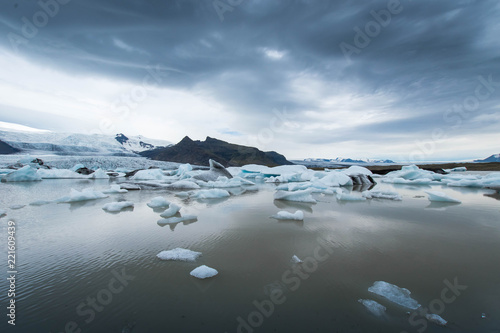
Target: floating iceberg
{"points": [[148, 174], [99, 174], [84, 195], [382, 195], [117, 206], [183, 185], [441, 197], [211, 194], [204, 272], [284, 215], [349, 197], [357, 170], [171, 211], [436, 319], [216, 170], [183, 170], [158, 202], [296, 260], [300, 196], [335, 179], [178, 219], [393, 293], [457, 169], [25, 174], [179, 254], [372, 306], [115, 189]]}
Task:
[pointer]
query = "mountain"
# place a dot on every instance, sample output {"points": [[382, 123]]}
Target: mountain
{"points": [[228, 154], [492, 158], [349, 160], [7, 149], [81, 144]]}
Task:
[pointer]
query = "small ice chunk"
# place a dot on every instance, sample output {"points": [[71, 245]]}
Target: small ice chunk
{"points": [[178, 219], [211, 194], [372, 306], [457, 169], [441, 197], [99, 174], [299, 196], [394, 294], [117, 206], [148, 174], [349, 197], [436, 319], [284, 215], [15, 207], [204, 272], [382, 195], [171, 210], [25, 174], [158, 202], [179, 254], [296, 260], [184, 185], [83, 195], [115, 189]]}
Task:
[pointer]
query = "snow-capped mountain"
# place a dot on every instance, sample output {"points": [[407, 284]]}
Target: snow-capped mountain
{"points": [[348, 160], [78, 144], [492, 158]]}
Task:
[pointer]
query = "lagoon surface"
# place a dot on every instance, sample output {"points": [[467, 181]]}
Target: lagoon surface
{"points": [[71, 254]]}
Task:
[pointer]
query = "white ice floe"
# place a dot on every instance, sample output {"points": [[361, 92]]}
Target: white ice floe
{"points": [[158, 202], [296, 260], [171, 210], [83, 195], [411, 174], [436, 319], [183, 185], [203, 272], [335, 179], [179, 254], [117, 206], [372, 306], [183, 170], [395, 294], [99, 174], [59, 174], [211, 194], [357, 170], [178, 219], [457, 169], [224, 182], [299, 196], [25, 174], [441, 197], [113, 189], [274, 171], [284, 215], [349, 197], [382, 195], [149, 174]]}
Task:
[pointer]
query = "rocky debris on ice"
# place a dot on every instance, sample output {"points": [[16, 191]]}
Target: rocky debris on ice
{"points": [[395, 294], [171, 210], [117, 206], [179, 254], [299, 196], [210, 194], [203, 272], [113, 189], [25, 174], [158, 202], [130, 186], [382, 195], [441, 197], [83, 195], [284, 215], [372, 306]]}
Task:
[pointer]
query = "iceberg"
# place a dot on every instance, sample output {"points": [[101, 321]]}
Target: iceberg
{"points": [[349, 197], [179, 254], [183, 170], [211, 194], [171, 211], [158, 202], [296, 260], [395, 294], [130, 187], [216, 170], [149, 174], [40, 202], [441, 197], [284, 215], [203, 272], [300, 196], [115, 189], [178, 219], [457, 169], [436, 319], [99, 174], [372, 306], [382, 195], [335, 179], [117, 206], [357, 170], [84, 195], [184, 185], [59, 174], [25, 174]]}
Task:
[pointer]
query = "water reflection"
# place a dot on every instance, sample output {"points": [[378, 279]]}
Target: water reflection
{"points": [[284, 204], [438, 205]]}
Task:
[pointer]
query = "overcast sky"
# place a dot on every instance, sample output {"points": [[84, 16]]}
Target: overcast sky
{"points": [[379, 79]]}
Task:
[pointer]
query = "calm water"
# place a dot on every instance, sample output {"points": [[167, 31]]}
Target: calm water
{"points": [[69, 254]]}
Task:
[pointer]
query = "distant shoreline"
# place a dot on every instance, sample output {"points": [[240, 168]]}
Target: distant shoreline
{"points": [[489, 166]]}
